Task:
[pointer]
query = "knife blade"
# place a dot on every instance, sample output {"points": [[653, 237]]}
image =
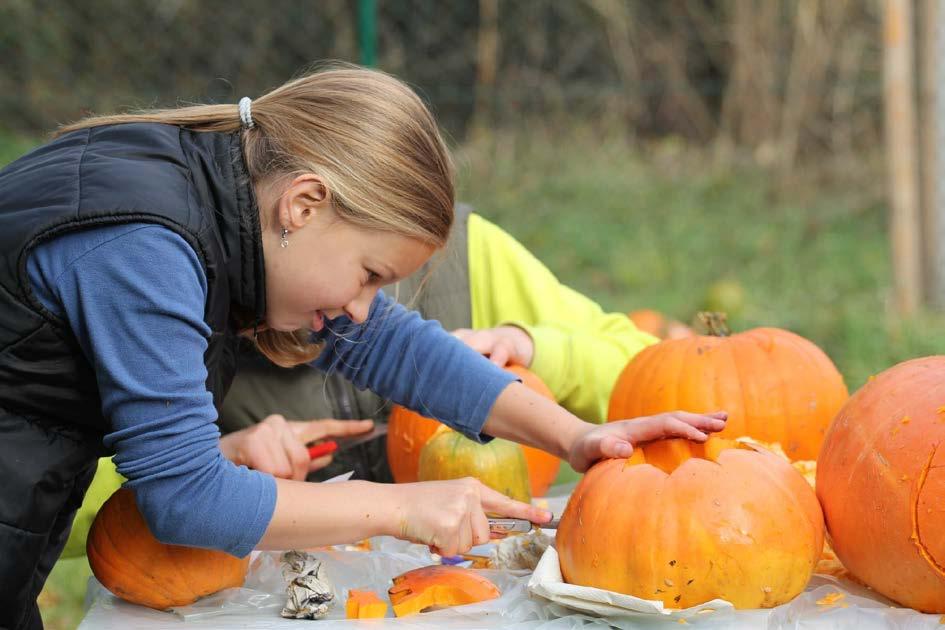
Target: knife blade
{"points": [[343, 443], [518, 525]]}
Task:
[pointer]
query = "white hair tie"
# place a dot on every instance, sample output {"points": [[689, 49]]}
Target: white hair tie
{"points": [[246, 112]]}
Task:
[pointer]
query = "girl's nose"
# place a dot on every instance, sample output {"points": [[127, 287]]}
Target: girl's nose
{"points": [[359, 308]]}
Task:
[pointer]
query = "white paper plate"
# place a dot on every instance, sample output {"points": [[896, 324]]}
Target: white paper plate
{"points": [[547, 582]]}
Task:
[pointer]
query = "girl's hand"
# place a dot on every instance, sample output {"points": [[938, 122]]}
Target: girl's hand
{"points": [[277, 446], [502, 344], [450, 516], [617, 439]]}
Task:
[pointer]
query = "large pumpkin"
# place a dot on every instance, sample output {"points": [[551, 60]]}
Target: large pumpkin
{"points": [[881, 481], [408, 431], [500, 464], [131, 563], [775, 385], [687, 523]]}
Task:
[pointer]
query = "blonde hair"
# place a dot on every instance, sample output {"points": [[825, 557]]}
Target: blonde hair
{"points": [[367, 134]]}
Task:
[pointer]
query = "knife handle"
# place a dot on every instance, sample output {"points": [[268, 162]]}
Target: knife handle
{"points": [[322, 448]]}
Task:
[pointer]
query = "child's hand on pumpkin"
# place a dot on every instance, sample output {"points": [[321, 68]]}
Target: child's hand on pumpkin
{"points": [[450, 516], [618, 439], [277, 446], [502, 344]]}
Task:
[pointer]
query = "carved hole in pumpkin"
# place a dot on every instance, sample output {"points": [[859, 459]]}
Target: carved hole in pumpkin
{"points": [[668, 455], [929, 486]]}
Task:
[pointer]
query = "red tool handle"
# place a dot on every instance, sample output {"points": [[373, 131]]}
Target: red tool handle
{"points": [[322, 448]]}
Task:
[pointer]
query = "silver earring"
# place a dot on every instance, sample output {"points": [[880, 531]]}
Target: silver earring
{"points": [[285, 241]]}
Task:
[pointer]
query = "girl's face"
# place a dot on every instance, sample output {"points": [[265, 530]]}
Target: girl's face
{"points": [[328, 267]]}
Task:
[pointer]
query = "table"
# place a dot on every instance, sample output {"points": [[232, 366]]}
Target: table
{"points": [[257, 605]]}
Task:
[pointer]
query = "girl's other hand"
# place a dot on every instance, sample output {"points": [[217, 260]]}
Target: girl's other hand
{"points": [[618, 439]]}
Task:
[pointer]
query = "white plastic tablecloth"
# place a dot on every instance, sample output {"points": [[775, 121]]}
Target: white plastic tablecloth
{"points": [[826, 603]]}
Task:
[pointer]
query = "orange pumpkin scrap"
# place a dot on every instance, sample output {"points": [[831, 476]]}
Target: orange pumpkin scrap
{"points": [[438, 586], [364, 605], [881, 481], [776, 386], [131, 563], [686, 523], [408, 432]]}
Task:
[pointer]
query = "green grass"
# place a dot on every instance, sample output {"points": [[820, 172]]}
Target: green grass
{"points": [[654, 227], [62, 600], [13, 146]]}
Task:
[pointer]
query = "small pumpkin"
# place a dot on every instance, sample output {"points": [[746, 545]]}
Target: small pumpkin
{"points": [[131, 563], [438, 586], [686, 523], [408, 431], [500, 464], [655, 323], [364, 605], [775, 385], [881, 481]]}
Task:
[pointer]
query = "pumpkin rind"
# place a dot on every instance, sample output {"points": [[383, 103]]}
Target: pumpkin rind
{"points": [[776, 386], [131, 563], [746, 528], [881, 481], [440, 586]]}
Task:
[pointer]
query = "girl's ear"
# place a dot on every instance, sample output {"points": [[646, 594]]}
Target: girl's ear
{"points": [[305, 197]]}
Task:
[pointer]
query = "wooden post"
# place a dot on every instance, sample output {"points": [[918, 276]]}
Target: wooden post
{"points": [[931, 48], [903, 192], [487, 65]]}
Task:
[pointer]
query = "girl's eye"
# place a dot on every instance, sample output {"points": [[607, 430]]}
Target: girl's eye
{"points": [[373, 277]]}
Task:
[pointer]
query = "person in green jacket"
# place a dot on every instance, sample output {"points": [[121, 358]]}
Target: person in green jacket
{"points": [[486, 287]]}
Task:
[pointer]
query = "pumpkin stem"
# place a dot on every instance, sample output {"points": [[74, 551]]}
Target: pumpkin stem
{"points": [[713, 323]]}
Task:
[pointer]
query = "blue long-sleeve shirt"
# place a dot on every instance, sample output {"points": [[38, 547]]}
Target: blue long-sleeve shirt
{"points": [[134, 296]]}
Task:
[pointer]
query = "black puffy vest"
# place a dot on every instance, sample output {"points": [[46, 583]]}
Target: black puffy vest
{"points": [[193, 183], [51, 423]]}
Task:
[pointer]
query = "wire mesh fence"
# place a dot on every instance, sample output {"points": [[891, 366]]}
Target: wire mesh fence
{"points": [[783, 78]]}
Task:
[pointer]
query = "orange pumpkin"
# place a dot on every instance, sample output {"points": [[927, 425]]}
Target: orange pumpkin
{"points": [[500, 464], [828, 564], [364, 605], [775, 385], [407, 432], [438, 586], [131, 563], [881, 481], [654, 323], [686, 523]]}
